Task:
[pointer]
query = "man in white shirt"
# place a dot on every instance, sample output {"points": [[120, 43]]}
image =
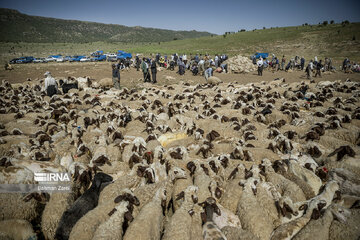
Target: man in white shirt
{"points": [[50, 84], [201, 66], [260, 65]]}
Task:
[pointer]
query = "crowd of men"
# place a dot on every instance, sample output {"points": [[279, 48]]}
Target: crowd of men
{"points": [[205, 65], [198, 64]]}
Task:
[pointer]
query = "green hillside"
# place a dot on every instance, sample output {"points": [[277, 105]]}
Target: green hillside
{"points": [[333, 40], [16, 27]]}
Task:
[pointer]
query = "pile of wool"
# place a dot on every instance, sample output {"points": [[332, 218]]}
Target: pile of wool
{"points": [[240, 64]]}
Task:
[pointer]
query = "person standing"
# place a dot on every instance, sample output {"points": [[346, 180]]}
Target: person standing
{"points": [[318, 68], [116, 76], [283, 60], [137, 62], [260, 65], [153, 70], [308, 70], [145, 70], [208, 73], [50, 84], [302, 63]]}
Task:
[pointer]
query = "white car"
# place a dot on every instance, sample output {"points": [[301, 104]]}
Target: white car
{"points": [[50, 59], [39, 60], [85, 59], [60, 60]]}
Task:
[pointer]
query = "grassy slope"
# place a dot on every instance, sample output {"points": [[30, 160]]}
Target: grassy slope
{"points": [[332, 40], [15, 26]]}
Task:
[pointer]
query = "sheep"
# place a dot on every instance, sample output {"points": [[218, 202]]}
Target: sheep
{"points": [[149, 222], [86, 227], [233, 191], [319, 229], [113, 227], [210, 229], [284, 186], [304, 178], [53, 211], [202, 180], [132, 180], [16, 229], [81, 206], [179, 226], [250, 211], [310, 210]]}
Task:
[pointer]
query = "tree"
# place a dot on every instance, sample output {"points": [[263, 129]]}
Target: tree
{"points": [[306, 24], [264, 27], [224, 35], [325, 23], [332, 22], [242, 30]]}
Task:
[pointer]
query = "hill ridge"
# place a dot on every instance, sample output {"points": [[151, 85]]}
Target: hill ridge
{"points": [[16, 26]]}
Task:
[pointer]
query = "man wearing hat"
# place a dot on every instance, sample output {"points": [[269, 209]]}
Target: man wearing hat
{"points": [[115, 76], [50, 84]]}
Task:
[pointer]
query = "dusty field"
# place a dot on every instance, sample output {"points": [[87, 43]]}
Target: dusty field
{"points": [[132, 78]]}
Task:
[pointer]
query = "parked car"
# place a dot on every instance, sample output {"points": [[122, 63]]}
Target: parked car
{"points": [[67, 58], [76, 58], [25, 60], [85, 59], [39, 60], [50, 59], [123, 55], [12, 61], [60, 60], [111, 58], [98, 56]]}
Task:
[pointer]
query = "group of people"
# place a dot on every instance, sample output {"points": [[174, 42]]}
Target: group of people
{"points": [[198, 64], [206, 66], [298, 63]]}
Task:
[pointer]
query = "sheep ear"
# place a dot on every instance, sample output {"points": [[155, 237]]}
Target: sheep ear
{"points": [[119, 198], [112, 211], [181, 195], [28, 197], [203, 204]]}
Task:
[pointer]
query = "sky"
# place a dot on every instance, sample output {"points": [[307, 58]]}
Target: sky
{"points": [[215, 16]]}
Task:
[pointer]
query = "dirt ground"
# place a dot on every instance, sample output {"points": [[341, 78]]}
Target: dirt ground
{"points": [[132, 78]]}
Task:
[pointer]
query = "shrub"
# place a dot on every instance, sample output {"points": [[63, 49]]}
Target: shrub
{"points": [[332, 22], [325, 23]]}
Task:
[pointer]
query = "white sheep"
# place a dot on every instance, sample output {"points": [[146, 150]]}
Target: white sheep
{"points": [[112, 228], [290, 229], [233, 190], [149, 223], [180, 223]]}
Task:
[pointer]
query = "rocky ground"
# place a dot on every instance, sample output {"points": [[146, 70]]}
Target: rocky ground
{"points": [[249, 158]]}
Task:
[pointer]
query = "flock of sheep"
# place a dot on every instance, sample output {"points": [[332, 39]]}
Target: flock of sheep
{"points": [[269, 160]]}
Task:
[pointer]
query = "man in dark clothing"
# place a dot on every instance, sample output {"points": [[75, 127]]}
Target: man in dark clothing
{"points": [[318, 69], [176, 59], [115, 76], [302, 63], [153, 70], [137, 62]]}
